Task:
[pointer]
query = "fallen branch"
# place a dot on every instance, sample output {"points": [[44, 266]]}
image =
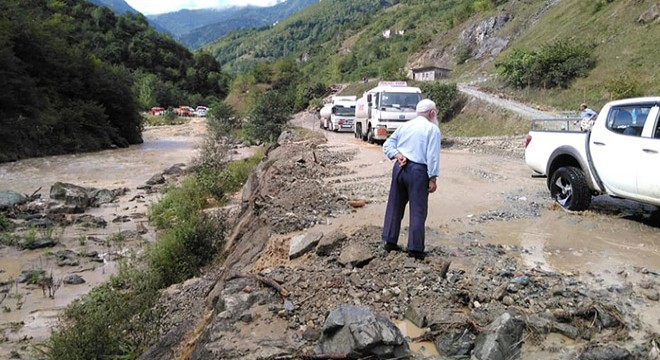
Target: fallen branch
{"points": [[264, 280]]}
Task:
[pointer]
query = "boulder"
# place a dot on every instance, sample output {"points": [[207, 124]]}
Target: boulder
{"points": [[9, 199], [650, 15], [330, 242], [356, 255], [501, 341], [357, 332], [73, 279], [605, 352], [157, 179], [71, 194], [31, 244], [301, 244]]}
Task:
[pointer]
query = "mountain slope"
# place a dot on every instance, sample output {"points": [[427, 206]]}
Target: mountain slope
{"points": [[195, 28], [118, 6], [345, 42]]}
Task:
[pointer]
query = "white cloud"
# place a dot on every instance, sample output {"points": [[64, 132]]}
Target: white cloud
{"points": [[149, 7]]}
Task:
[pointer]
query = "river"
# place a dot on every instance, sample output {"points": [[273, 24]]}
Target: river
{"points": [[26, 315]]}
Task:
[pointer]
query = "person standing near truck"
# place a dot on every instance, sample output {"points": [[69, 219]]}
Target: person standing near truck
{"points": [[587, 117], [416, 147]]}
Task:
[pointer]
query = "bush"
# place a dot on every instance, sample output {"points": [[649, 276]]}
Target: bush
{"points": [[447, 98], [623, 86], [115, 320], [554, 65], [267, 117], [222, 121]]}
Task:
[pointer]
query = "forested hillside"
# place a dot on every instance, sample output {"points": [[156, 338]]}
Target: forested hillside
{"points": [[118, 6], [556, 51], [74, 76]]}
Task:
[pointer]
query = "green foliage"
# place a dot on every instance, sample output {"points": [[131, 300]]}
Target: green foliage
{"points": [[554, 65], [115, 320], [182, 250], [269, 113], [222, 121], [169, 118], [5, 224], [74, 76], [624, 86], [448, 99]]}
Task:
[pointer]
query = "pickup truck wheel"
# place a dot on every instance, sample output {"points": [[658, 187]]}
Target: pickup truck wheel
{"points": [[568, 186]]}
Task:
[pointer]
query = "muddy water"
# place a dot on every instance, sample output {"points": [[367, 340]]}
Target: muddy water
{"points": [[26, 312]]}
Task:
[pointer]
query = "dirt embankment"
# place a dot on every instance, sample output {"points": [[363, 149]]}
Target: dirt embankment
{"points": [[268, 303]]}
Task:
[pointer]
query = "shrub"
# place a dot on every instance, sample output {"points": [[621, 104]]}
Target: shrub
{"points": [[623, 86], [447, 98], [268, 115], [554, 65], [222, 121]]}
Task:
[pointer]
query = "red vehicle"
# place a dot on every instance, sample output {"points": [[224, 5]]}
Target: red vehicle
{"points": [[184, 110], [156, 110]]}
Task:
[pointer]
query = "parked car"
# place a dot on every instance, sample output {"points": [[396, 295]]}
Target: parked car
{"points": [[201, 111], [184, 110], [156, 110]]}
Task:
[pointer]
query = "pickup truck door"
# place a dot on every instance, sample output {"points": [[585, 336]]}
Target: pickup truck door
{"points": [[648, 176], [615, 152]]}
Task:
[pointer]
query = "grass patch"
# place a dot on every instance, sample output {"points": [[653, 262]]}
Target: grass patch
{"points": [[169, 118], [479, 118]]}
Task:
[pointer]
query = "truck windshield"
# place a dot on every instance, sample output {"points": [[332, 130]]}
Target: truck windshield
{"points": [[344, 111], [400, 100]]}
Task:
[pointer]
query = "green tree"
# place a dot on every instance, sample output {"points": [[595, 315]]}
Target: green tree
{"points": [[267, 116]]}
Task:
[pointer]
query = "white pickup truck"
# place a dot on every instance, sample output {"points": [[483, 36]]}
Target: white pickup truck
{"points": [[619, 156]]}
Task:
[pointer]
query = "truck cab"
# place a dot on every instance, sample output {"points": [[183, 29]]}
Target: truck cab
{"points": [[381, 110]]}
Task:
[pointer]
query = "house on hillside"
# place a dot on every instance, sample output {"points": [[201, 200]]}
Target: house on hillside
{"points": [[429, 73]]}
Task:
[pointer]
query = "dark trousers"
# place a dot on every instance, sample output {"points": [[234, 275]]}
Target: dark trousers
{"points": [[410, 184]]}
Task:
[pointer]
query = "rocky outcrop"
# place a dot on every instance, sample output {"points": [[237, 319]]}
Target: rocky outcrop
{"points": [[652, 14], [481, 39], [358, 333], [77, 198]]}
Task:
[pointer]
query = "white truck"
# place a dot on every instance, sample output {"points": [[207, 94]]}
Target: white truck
{"points": [[381, 110], [619, 156], [339, 114]]}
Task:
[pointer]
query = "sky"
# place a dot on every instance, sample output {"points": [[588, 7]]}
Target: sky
{"points": [[150, 7]]}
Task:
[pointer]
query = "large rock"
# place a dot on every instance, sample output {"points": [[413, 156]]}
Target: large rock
{"points": [[301, 244], [605, 352], [330, 242], [356, 255], [9, 199], [357, 332], [501, 341], [71, 194], [650, 15], [81, 197]]}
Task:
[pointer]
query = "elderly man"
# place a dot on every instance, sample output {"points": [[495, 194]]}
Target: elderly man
{"points": [[416, 147]]}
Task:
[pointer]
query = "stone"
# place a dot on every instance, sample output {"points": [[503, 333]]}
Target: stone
{"points": [[650, 15], [330, 242], [73, 279], [357, 332], [90, 221], [415, 313], [652, 295], [567, 330], [71, 194], [37, 244], [455, 343], [501, 341], [605, 352], [356, 255], [157, 179], [302, 244], [9, 198]]}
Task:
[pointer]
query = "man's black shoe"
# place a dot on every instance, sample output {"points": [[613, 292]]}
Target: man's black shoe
{"points": [[419, 255], [391, 247]]}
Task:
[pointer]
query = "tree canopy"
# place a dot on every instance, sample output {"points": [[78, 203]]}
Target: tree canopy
{"points": [[74, 77]]}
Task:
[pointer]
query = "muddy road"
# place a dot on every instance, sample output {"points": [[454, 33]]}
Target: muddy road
{"points": [[486, 197]]}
